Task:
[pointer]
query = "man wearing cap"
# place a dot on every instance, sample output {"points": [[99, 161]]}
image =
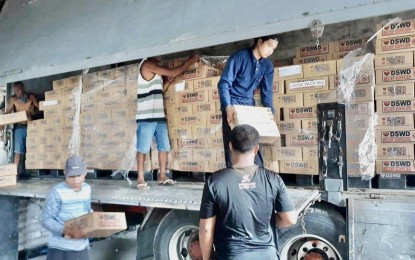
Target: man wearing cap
{"points": [[67, 200]]}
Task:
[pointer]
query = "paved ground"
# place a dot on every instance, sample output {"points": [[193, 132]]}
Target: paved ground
{"points": [[123, 248]]}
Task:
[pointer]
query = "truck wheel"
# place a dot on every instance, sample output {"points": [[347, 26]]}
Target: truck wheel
{"points": [[177, 236], [325, 237]]}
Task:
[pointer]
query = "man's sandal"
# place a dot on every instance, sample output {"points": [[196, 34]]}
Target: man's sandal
{"points": [[168, 182], [143, 186]]}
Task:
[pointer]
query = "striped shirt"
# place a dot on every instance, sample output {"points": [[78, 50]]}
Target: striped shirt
{"points": [[150, 107], [64, 203]]}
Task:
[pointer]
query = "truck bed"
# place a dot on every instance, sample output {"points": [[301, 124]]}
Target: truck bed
{"points": [[183, 195]]}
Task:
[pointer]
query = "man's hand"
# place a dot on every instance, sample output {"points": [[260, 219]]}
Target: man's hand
{"points": [[230, 114], [74, 232]]}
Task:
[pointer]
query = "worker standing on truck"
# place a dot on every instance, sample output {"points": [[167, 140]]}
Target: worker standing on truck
{"points": [[241, 206], [67, 200], [21, 101], [246, 70], [151, 118]]}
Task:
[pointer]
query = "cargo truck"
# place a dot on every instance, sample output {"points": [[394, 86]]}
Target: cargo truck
{"points": [[340, 216]]}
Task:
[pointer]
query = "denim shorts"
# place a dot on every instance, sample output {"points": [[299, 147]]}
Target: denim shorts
{"points": [[20, 135], [145, 133]]}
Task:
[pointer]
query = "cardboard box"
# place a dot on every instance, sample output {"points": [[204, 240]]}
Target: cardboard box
{"points": [[395, 44], [8, 180], [309, 125], [180, 86], [358, 109], [311, 99], [319, 69], [51, 113], [299, 167], [310, 84], [310, 154], [207, 131], [314, 50], [204, 154], [189, 120], [8, 169], [395, 151], [261, 119], [303, 138], [394, 60], [288, 72], [13, 118], [393, 106], [300, 112], [213, 95], [288, 126], [280, 62], [359, 123], [289, 100], [176, 132], [395, 91], [395, 136], [363, 94], [193, 165], [200, 71], [192, 143], [170, 99], [50, 104], [385, 76], [207, 107], [215, 166], [206, 83], [401, 28], [100, 224], [182, 154], [287, 153], [214, 119], [349, 45], [402, 166], [396, 120], [215, 142], [272, 165], [313, 59], [54, 94], [58, 84], [200, 96]]}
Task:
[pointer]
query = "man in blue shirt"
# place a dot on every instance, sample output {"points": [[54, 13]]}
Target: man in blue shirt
{"points": [[245, 71]]}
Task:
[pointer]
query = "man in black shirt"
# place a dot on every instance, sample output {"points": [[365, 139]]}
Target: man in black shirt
{"points": [[241, 206]]}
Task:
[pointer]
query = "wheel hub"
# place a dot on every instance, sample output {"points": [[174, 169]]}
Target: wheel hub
{"points": [[309, 248]]}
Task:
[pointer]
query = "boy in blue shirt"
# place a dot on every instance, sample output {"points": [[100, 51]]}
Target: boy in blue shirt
{"points": [[67, 200]]}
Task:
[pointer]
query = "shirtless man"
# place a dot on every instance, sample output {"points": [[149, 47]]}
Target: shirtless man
{"points": [[21, 101]]}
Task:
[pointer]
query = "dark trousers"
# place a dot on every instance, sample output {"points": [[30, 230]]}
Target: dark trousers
{"points": [[58, 254], [226, 131]]}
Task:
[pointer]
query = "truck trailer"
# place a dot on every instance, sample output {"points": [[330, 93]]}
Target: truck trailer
{"points": [[341, 215]]}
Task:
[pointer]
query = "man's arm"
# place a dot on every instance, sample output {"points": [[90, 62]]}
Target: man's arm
{"points": [[225, 83], [206, 232], [10, 106], [50, 212], [35, 101], [266, 88], [151, 67], [286, 219]]}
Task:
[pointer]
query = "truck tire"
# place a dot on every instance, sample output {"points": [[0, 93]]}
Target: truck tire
{"points": [[177, 236], [326, 232]]}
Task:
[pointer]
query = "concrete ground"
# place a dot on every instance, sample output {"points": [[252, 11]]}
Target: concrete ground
{"points": [[119, 248]]}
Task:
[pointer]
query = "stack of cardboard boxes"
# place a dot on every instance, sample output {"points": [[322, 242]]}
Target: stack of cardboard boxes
{"points": [[98, 123], [395, 100], [8, 175], [307, 84], [194, 120]]}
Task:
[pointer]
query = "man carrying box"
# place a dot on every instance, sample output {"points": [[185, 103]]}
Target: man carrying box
{"points": [[151, 118], [245, 71], [67, 200], [20, 101]]}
